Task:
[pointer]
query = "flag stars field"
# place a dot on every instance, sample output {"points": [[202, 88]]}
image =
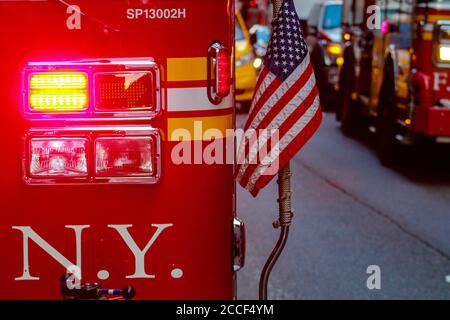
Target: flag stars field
{"points": [[286, 101]]}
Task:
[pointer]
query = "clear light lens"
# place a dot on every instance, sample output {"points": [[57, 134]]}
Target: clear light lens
{"points": [[58, 91], [124, 157], [58, 157], [444, 53], [124, 91]]}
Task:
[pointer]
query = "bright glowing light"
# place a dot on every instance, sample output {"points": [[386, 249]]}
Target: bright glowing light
{"points": [[58, 91], [257, 63], [340, 61], [334, 49], [385, 27], [347, 36], [444, 53]]}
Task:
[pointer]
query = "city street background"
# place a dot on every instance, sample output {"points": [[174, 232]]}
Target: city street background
{"points": [[350, 213]]}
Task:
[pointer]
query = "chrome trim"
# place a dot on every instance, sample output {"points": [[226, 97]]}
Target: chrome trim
{"points": [[212, 68], [91, 134], [238, 244]]}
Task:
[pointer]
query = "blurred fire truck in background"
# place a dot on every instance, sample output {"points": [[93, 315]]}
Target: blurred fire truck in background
{"points": [[396, 72]]}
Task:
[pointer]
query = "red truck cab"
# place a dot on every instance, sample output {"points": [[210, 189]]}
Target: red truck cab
{"points": [[395, 72]]}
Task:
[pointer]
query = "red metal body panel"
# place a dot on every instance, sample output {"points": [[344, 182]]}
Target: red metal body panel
{"points": [[434, 121], [192, 257], [429, 119]]}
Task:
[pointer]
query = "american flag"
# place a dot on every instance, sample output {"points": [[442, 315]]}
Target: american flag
{"points": [[286, 101]]}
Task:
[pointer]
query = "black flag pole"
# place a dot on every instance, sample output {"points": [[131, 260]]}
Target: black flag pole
{"points": [[284, 207]]}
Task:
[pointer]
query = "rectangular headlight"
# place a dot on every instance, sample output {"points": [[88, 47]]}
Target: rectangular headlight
{"points": [[92, 155], [54, 157], [124, 157]]}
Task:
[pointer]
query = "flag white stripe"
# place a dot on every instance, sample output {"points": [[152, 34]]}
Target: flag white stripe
{"points": [[268, 79], [290, 107], [283, 143], [281, 91]]}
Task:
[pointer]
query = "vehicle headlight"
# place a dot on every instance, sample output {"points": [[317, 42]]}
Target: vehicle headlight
{"points": [[257, 63], [334, 49], [444, 53], [245, 59]]}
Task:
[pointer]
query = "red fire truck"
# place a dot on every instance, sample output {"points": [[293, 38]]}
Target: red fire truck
{"points": [[96, 96], [395, 71]]}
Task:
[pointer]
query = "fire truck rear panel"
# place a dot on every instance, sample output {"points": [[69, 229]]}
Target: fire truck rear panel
{"points": [[183, 220]]}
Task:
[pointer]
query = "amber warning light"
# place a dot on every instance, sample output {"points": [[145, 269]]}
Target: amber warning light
{"points": [[107, 88]]}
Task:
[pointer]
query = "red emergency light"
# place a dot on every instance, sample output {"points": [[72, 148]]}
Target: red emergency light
{"points": [[102, 88], [219, 73]]}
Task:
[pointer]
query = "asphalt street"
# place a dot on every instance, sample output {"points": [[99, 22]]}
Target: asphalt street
{"points": [[351, 213]]}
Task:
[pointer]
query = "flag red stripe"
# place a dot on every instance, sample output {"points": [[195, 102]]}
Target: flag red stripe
{"points": [[262, 75], [262, 100], [283, 129], [287, 154], [286, 98]]}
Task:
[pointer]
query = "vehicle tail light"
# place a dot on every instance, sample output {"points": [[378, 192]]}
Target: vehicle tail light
{"points": [[58, 91], [113, 89], [119, 157], [58, 157], [223, 71], [219, 73], [124, 91]]}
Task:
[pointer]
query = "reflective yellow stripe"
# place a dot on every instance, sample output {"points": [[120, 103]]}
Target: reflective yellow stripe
{"points": [[432, 18], [199, 128], [186, 69], [427, 36]]}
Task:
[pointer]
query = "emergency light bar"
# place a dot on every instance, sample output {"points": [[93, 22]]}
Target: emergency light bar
{"points": [[92, 155], [98, 89]]}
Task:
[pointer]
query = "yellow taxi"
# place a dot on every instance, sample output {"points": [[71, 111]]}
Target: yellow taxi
{"points": [[247, 65]]}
